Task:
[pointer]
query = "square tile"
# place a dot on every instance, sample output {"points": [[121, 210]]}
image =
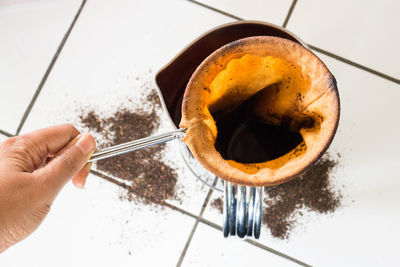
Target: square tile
{"points": [[93, 227], [364, 32], [209, 248], [30, 32], [363, 231], [66, 105], [269, 11], [105, 66]]}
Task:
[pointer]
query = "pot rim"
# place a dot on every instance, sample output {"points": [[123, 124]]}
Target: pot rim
{"points": [[160, 95]]}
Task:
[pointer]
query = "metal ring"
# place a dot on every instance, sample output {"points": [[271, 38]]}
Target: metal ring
{"points": [[241, 211], [195, 167], [250, 211], [232, 208], [258, 212], [225, 212]]}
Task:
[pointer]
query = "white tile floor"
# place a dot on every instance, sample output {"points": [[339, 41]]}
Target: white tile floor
{"points": [[208, 248], [30, 32], [106, 77], [362, 31], [264, 10], [112, 43]]}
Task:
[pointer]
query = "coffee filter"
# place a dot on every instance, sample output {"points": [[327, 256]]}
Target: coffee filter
{"points": [[290, 86]]}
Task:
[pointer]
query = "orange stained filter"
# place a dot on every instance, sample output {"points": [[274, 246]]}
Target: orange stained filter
{"points": [[287, 84]]}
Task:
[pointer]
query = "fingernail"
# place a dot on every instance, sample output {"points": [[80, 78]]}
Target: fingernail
{"points": [[86, 144], [79, 185]]}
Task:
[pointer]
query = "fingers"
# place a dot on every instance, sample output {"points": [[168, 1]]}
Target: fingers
{"points": [[27, 152], [79, 180], [68, 163], [52, 139]]}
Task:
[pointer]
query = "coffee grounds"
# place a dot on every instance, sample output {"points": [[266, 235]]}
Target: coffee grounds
{"points": [[150, 179], [311, 191], [91, 121], [217, 204], [154, 99]]}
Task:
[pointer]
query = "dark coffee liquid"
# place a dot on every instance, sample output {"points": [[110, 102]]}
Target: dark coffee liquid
{"points": [[242, 137]]}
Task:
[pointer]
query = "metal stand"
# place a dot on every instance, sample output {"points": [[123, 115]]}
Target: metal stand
{"points": [[242, 211]]}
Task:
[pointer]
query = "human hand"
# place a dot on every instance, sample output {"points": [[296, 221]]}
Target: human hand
{"points": [[33, 169]]}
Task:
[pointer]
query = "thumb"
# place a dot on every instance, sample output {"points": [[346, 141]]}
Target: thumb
{"points": [[68, 162]]}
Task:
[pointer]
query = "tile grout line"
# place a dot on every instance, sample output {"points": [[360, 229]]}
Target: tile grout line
{"points": [[289, 14], [216, 10], [173, 207], [203, 208], [354, 64], [200, 219], [118, 183], [276, 252], [6, 133], [344, 60], [49, 68], [257, 244]]}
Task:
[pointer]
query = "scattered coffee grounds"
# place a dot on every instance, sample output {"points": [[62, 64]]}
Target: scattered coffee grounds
{"points": [[217, 204], [91, 121], [310, 191], [150, 179], [154, 99]]}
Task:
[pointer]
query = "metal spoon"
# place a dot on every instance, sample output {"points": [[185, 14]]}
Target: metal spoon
{"points": [[120, 149]]}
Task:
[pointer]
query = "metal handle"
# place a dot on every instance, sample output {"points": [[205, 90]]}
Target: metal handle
{"points": [[137, 144]]}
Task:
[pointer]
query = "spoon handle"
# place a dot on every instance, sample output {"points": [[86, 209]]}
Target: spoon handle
{"points": [[120, 149]]}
